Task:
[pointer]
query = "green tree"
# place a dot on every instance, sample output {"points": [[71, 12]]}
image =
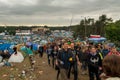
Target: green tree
{"points": [[113, 32]]}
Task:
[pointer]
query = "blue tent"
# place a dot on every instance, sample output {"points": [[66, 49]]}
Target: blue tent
{"points": [[29, 43], [2, 41], [6, 46], [35, 47]]}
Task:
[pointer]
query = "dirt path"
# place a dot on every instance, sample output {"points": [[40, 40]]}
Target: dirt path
{"points": [[48, 72], [42, 71], [45, 71]]}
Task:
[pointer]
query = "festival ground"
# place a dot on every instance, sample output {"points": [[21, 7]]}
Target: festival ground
{"points": [[42, 71]]}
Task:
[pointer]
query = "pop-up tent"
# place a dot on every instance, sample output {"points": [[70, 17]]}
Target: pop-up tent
{"points": [[29, 43], [16, 57]]}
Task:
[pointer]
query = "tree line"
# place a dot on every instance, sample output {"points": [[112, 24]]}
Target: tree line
{"points": [[104, 26]]}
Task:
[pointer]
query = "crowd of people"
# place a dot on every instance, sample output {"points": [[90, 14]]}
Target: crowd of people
{"points": [[99, 61], [67, 57]]}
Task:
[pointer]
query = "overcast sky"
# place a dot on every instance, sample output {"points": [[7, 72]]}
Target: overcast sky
{"points": [[55, 12]]}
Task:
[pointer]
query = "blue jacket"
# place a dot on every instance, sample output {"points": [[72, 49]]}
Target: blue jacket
{"points": [[63, 59]]}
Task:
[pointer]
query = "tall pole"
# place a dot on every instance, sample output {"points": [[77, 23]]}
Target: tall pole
{"points": [[5, 28], [71, 21], [85, 23]]}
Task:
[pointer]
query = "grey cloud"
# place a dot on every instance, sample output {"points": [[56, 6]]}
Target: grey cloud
{"points": [[56, 11]]}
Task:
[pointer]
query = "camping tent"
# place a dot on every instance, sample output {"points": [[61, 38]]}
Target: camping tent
{"points": [[26, 50], [16, 57]]}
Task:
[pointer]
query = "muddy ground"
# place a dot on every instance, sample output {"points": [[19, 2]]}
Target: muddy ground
{"points": [[42, 71]]}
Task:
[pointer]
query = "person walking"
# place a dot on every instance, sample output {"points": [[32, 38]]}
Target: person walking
{"points": [[94, 64]]}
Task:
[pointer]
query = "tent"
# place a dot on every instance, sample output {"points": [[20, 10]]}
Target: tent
{"points": [[26, 50], [16, 57], [6, 46], [97, 39], [2, 41], [35, 47], [43, 41], [101, 39], [29, 43]]}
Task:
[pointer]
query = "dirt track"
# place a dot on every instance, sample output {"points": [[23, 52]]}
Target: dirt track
{"points": [[42, 71]]}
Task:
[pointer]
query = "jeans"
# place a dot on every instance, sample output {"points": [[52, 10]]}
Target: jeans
{"points": [[48, 56], [75, 69], [92, 74]]}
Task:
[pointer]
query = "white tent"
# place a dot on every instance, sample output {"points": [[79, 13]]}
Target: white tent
{"points": [[16, 57]]}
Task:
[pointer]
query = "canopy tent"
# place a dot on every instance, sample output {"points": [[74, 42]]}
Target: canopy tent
{"points": [[97, 39]]}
